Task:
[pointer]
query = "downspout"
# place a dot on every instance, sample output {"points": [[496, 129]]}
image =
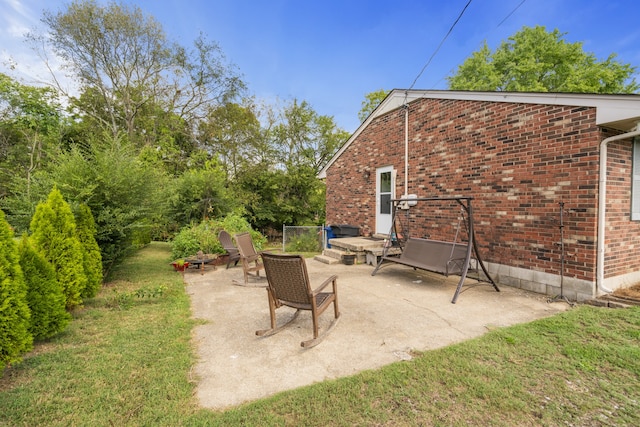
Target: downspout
{"points": [[602, 205], [406, 151]]}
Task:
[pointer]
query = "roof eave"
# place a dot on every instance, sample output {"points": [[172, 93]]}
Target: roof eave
{"points": [[620, 112]]}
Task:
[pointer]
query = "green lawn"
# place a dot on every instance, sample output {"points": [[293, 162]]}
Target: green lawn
{"points": [[127, 358]]}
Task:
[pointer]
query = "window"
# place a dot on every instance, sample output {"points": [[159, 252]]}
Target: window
{"points": [[385, 193], [635, 181]]}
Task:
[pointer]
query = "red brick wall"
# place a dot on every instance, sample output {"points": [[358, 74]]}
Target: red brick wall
{"points": [[351, 180], [518, 162]]}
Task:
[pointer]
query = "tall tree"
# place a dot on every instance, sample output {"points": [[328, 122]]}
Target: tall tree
{"points": [[122, 193], [30, 123], [371, 102], [273, 197], [232, 133], [305, 138], [283, 188], [535, 60], [124, 64], [199, 194]]}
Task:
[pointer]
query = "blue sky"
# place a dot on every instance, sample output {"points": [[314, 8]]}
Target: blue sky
{"points": [[332, 52]]}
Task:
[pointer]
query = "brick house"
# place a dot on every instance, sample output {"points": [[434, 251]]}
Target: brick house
{"points": [[545, 215]]}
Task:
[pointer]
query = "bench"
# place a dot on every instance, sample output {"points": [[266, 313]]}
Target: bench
{"points": [[432, 255], [440, 257]]}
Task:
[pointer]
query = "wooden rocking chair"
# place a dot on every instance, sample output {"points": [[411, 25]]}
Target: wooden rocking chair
{"points": [[288, 284], [227, 245], [250, 259]]}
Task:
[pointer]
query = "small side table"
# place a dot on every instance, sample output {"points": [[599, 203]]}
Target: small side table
{"points": [[200, 262]]}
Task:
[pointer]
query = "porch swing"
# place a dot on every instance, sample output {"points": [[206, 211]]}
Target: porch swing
{"points": [[443, 257]]}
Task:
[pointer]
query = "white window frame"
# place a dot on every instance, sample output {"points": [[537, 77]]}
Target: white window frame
{"points": [[635, 181]]}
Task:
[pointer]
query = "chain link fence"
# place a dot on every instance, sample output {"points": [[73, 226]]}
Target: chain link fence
{"points": [[303, 238]]}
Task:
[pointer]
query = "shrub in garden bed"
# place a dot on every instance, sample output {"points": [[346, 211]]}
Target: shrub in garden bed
{"points": [[204, 236]]}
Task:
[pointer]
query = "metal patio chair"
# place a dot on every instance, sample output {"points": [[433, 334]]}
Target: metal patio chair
{"points": [[289, 285]]}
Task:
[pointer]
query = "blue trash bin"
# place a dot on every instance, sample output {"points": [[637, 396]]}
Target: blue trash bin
{"points": [[330, 235]]}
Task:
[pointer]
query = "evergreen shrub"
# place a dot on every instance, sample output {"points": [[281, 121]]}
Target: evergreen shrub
{"points": [[15, 338], [53, 233], [44, 294], [92, 260]]}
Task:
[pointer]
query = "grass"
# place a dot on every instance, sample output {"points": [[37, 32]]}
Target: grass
{"points": [[127, 358]]}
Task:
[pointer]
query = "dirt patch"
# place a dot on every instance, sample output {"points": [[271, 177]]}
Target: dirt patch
{"points": [[632, 292]]}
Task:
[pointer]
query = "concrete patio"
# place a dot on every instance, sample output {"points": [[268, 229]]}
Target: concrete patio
{"points": [[384, 318]]}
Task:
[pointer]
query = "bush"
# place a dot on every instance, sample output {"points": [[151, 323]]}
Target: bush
{"points": [[307, 241], [15, 338], [199, 193], [192, 239], [124, 195], [86, 231], [204, 236], [44, 294], [53, 230]]}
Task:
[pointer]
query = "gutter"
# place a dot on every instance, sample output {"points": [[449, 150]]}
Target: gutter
{"points": [[602, 205]]}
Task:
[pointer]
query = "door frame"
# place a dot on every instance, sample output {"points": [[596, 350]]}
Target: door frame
{"points": [[384, 220]]}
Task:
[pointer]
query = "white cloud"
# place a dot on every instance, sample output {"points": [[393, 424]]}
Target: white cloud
{"points": [[15, 22], [17, 57], [16, 19]]}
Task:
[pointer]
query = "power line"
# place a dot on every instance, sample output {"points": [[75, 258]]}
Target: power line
{"points": [[496, 27], [440, 45], [511, 13]]}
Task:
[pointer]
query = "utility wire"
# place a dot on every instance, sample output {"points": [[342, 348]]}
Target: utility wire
{"points": [[440, 45], [512, 12], [497, 26]]}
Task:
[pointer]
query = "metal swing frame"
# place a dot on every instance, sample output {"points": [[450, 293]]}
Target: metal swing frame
{"points": [[416, 251]]}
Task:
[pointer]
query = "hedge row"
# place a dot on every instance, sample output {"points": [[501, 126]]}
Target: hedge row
{"points": [[46, 274]]}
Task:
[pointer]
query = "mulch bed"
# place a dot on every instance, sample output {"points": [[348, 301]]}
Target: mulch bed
{"points": [[626, 296], [632, 292]]}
